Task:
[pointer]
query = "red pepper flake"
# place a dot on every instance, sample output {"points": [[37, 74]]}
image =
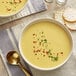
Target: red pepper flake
{"points": [[35, 54], [43, 51], [61, 53], [33, 46], [8, 9], [34, 41], [47, 52], [38, 50], [20, 1], [33, 34], [34, 51]]}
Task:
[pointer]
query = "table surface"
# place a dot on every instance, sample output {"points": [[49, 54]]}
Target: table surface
{"points": [[48, 13]]}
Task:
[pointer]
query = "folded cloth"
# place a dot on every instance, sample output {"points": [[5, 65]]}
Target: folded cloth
{"points": [[6, 46]]}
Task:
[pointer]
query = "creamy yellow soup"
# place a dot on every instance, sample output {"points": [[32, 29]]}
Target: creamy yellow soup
{"points": [[45, 44], [11, 6]]}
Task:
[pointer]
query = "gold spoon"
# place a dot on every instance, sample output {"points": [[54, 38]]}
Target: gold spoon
{"points": [[14, 59]]}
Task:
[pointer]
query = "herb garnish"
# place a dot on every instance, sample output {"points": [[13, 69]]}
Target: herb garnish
{"points": [[41, 43]]}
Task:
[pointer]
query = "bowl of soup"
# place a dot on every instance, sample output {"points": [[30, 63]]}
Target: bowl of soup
{"points": [[11, 7], [45, 44]]}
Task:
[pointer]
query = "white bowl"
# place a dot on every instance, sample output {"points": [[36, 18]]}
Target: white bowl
{"points": [[3, 16], [63, 27]]}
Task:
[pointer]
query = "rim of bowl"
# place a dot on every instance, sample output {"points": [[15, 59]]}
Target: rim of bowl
{"points": [[4, 16], [60, 25]]}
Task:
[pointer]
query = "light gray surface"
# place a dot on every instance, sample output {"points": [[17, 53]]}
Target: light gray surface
{"points": [[3, 68], [9, 41]]}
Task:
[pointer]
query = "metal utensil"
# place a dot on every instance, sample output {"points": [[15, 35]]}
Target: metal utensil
{"points": [[14, 59]]}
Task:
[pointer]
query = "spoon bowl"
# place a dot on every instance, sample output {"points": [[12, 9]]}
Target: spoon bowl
{"points": [[14, 59]]}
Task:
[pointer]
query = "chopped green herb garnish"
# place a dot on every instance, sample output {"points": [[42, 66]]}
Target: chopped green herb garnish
{"points": [[11, 2], [45, 40], [54, 58], [49, 51], [42, 47], [51, 56]]}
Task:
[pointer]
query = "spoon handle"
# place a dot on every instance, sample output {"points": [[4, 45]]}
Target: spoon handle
{"points": [[27, 73]]}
